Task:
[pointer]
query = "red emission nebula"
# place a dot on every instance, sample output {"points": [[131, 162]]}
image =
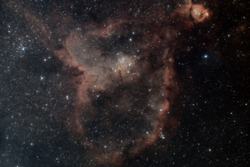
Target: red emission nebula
{"points": [[121, 74]]}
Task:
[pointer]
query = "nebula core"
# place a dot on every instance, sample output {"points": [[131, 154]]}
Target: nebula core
{"points": [[120, 74]]}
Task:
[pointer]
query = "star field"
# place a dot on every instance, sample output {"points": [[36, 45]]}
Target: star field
{"points": [[124, 83]]}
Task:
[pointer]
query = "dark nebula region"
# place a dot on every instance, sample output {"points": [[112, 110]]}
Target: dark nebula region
{"points": [[115, 77]]}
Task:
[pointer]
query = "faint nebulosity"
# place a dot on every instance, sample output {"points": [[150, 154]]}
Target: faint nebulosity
{"points": [[124, 83]]}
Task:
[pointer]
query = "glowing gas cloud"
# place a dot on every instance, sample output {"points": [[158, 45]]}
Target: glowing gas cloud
{"points": [[124, 78]]}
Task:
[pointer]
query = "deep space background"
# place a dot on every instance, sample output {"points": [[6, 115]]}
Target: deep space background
{"points": [[212, 106]]}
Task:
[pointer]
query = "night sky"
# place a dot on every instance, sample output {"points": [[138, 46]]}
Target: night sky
{"points": [[124, 83]]}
